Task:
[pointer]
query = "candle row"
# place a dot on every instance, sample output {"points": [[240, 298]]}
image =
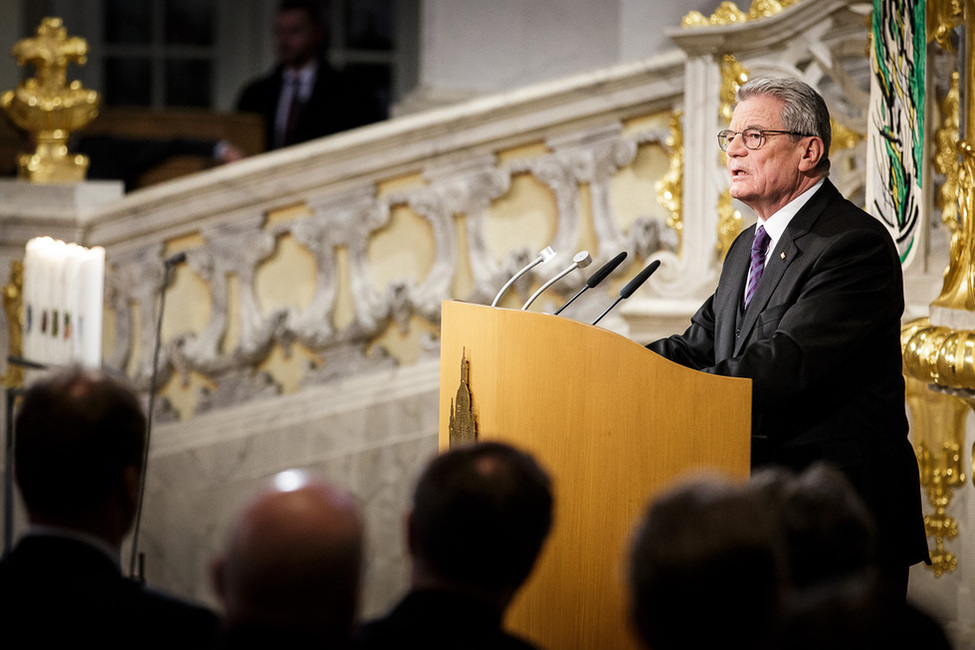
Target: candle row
{"points": [[64, 287]]}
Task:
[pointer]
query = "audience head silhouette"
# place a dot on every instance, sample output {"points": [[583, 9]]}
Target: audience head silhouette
{"points": [[480, 516], [704, 569], [292, 564], [78, 451], [826, 529]]}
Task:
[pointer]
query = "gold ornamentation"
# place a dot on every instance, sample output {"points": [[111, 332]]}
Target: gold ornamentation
{"points": [[733, 76], [938, 429], [958, 289], [729, 223], [843, 137], [943, 16], [13, 307], [670, 189], [694, 19], [939, 355], [49, 109], [463, 423], [946, 161], [728, 13]]}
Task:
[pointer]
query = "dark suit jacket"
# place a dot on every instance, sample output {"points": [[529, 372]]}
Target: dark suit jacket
{"points": [[821, 343], [59, 592], [438, 620], [337, 103]]}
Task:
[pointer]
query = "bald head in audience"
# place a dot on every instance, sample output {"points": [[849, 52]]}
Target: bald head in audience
{"points": [[292, 563]]}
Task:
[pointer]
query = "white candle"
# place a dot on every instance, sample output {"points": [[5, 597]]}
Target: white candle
{"points": [[90, 307], [68, 351], [63, 295]]}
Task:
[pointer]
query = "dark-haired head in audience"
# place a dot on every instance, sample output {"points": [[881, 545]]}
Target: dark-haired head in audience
{"points": [[480, 516], [835, 597], [827, 530], [705, 569], [290, 573], [78, 449], [78, 454]]}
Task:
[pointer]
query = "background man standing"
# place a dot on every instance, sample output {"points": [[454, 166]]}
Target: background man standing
{"points": [[303, 97]]}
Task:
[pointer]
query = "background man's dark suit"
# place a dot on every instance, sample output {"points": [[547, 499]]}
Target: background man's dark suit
{"points": [[61, 592], [821, 342], [337, 103]]}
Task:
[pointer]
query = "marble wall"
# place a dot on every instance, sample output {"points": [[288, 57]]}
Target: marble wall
{"points": [[370, 433]]}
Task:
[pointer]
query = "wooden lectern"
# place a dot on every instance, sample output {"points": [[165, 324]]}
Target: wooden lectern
{"points": [[612, 422]]}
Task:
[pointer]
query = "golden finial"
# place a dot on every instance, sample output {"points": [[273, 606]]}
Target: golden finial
{"points": [[49, 108]]}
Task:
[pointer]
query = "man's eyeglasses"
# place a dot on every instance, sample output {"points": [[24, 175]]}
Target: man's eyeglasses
{"points": [[753, 138]]}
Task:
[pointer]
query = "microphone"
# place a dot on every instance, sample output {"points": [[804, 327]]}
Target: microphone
{"points": [[581, 260], [168, 264], [595, 279], [173, 260], [632, 286], [545, 255]]}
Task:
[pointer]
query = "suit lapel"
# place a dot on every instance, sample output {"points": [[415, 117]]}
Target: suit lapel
{"points": [[786, 253], [728, 301]]}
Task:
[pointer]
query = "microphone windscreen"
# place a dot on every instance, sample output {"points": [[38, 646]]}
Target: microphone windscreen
{"points": [[605, 270], [173, 260], [635, 283]]}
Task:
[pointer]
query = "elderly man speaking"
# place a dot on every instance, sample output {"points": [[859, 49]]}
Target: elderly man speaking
{"points": [[808, 307]]}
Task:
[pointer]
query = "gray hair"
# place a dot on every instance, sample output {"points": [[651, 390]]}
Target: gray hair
{"points": [[804, 109]]}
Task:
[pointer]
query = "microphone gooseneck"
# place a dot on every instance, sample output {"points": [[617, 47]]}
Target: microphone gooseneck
{"points": [[545, 255], [168, 264], [632, 286], [581, 260], [601, 274]]}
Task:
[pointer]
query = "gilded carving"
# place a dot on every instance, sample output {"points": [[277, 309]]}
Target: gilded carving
{"points": [[946, 161], [843, 137], [733, 76], [943, 17], [958, 289], [938, 426], [13, 307], [49, 108], [729, 223], [728, 13], [766, 8], [670, 189]]}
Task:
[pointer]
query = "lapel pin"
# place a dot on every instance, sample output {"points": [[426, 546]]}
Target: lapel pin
{"points": [[782, 255]]}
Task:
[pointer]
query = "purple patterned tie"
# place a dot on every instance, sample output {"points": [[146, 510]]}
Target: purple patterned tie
{"points": [[759, 248]]}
